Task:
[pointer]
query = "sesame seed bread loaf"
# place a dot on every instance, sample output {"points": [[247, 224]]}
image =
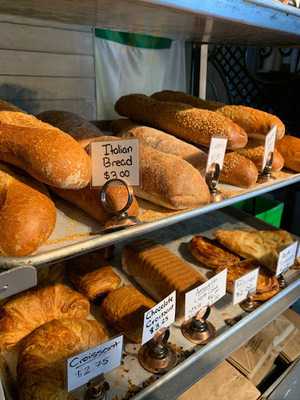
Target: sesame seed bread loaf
{"points": [[255, 154], [27, 214], [238, 171], [46, 153], [256, 123], [192, 124]]}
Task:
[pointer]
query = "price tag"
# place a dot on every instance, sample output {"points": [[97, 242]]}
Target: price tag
{"points": [[286, 258], [160, 316], [244, 286], [205, 295], [269, 145], [87, 365], [216, 154], [115, 160]]}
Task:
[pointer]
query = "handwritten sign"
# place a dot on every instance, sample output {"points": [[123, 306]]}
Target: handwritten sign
{"points": [[115, 160], [286, 258], [85, 366], [244, 286], [160, 316], [216, 154], [205, 295], [269, 145]]}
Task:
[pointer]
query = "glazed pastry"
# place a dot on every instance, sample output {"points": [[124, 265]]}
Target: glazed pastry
{"points": [[263, 246], [124, 309], [209, 254], [92, 276], [267, 284], [41, 364], [159, 271], [25, 312]]}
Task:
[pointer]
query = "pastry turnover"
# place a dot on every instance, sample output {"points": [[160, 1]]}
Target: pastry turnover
{"points": [[31, 309], [263, 246], [209, 254], [159, 271], [92, 276], [41, 364], [124, 309], [267, 284]]}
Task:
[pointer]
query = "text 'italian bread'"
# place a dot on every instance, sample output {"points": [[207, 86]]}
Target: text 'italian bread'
{"points": [[289, 147], [256, 123], [27, 214], [189, 123], [170, 181]]}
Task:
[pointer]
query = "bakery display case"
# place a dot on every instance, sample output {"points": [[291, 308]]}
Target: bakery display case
{"points": [[65, 249]]}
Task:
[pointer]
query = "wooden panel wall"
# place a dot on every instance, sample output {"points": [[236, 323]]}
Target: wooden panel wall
{"points": [[47, 65]]}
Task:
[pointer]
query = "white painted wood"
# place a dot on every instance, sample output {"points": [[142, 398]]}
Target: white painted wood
{"points": [[45, 64], [39, 38]]}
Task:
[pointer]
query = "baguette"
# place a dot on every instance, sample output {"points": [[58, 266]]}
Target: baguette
{"points": [[161, 141], [124, 309], [159, 271], [192, 124], [255, 154], [289, 147], [47, 153], [87, 199], [238, 170], [27, 214], [256, 123], [70, 123]]}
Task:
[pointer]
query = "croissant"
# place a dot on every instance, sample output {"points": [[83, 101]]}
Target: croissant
{"points": [[41, 363], [124, 309], [31, 309]]}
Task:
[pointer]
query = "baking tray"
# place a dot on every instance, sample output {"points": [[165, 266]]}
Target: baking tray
{"points": [[76, 233], [130, 380]]}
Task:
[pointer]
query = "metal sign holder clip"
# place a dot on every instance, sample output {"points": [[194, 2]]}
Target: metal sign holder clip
{"points": [[198, 330], [266, 174], [249, 304], [157, 356], [120, 218], [212, 179], [97, 389], [281, 281]]}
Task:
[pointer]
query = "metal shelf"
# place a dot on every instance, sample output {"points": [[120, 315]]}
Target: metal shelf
{"points": [[256, 22]]}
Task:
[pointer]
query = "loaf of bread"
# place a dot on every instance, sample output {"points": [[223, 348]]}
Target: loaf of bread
{"points": [[47, 153], [188, 123], [70, 123], [289, 147], [161, 141], [88, 199], [267, 284], [92, 276], [159, 271], [124, 309], [170, 181], [255, 154], [256, 123], [43, 354], [23, 313], [238, 170], [27, 214]]}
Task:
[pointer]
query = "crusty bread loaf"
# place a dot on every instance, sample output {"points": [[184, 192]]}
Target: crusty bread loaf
{"points": [[289, 147], [170, 181], [124, 309], [25, 312], [43, 354], [70, 123], [27, 214], [255, 122], [159, 271], [192, 124], [87, 199], [238, 170], [162, 141], [45, 152], [255, 154]]}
